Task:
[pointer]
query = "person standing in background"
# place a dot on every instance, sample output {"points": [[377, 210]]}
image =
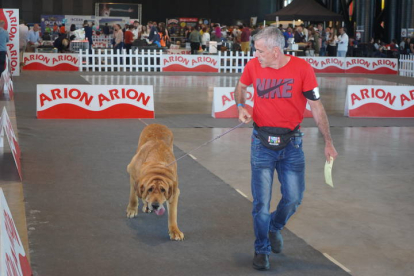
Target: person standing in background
{"points": [[195, 40], [88, 34], [129, 39], [333, 39], [4, 38], [33, 39], [62, 29], [154, 37], [105, 29], [119, 37], [205, 38], [23, 33], [245, 39], [55, 29], [343, 41]]}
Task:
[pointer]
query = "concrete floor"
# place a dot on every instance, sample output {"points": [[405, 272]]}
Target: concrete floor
{"points": [[365, 222]]}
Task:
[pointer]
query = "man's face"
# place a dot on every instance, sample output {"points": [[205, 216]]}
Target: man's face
{"points": [[328, 30], [265, 55], [36, 27], [341, 31]]}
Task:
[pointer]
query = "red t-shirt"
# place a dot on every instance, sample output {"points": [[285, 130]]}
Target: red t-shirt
{"points": [[278, 93], [129, 37]]}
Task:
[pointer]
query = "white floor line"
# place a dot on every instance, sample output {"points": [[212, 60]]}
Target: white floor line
{"points": [[336, 262], [192, 156], [240, 192]]}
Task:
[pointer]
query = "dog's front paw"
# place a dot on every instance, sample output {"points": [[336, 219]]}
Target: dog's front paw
{"points": [[132, 212], [145, 209], [175, 234]]}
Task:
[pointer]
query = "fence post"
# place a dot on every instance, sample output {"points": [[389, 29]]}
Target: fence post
{"points": [[80, 63], [161, 61], [219, 61]]}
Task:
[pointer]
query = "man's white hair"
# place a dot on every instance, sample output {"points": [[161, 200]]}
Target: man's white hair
{"points": [[272, 37]]}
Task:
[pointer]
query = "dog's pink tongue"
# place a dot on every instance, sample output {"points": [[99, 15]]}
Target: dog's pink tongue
{"points": [[160, 211]]}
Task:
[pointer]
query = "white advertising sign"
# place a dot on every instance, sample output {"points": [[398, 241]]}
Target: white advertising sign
{"points": [[379, 101], [224, 105], [6, 127], [13, 259], [351, 65], [326, 64], [11, 19], [51, 62], [193, 63], [94, 101], [371, 65]]}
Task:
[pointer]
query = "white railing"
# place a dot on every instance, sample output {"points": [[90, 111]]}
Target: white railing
{"points": [[406, 65], [233, 62], [104, 60]]}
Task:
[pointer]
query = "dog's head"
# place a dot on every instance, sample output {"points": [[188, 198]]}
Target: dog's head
{"points": [[155, 191]]}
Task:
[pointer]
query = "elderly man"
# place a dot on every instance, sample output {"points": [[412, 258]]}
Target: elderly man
{"points": [[283, 85], [33, 39], [4, 38]]}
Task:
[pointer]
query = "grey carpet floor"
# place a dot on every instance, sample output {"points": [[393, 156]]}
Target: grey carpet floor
{"points": [[76, 190]]}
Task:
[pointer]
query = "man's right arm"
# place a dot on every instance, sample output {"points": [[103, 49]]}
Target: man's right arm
{"points": [[240, 98]]}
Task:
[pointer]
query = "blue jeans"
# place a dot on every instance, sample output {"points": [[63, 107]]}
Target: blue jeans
{"points": [[341, 53], [290, 166]]}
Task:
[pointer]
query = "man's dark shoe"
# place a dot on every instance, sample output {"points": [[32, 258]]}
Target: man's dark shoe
{"points": [[276, 241], [261, 261]]}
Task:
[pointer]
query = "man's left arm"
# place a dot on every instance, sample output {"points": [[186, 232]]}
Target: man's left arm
{"points": [[321, 119]]}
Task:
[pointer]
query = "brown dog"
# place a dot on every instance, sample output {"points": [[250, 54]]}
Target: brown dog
{"points": [[152, 179]]}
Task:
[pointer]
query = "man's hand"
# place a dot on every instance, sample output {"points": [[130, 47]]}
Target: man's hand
{"points": [[330, 151], [244, 115]]}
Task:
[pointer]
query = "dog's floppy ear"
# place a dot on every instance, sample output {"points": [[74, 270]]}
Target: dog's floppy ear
{"points": [[139, 188]]}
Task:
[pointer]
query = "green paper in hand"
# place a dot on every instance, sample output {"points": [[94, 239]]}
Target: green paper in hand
{"points": [[328, 172]]}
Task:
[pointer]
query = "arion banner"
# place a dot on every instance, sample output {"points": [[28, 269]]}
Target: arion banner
{"points": [[353, 65], [13, 259], [224, 105], [95, 101], [380, 101], [11, 19], [6, 128], [51, 62], [190, 63]]}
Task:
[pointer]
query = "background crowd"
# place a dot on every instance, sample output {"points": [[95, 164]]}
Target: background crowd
{"points": [[311, 40]]}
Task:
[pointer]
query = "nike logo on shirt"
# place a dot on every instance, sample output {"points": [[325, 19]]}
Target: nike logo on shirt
{"points": [[283, 92]]}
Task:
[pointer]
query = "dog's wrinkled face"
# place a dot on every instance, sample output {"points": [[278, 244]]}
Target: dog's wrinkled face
{"points": [[156, 192]]}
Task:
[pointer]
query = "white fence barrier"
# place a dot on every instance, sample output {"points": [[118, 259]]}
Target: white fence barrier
{"points": [[109, 60], [406, 65], [104, 60], [233, 62]]}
